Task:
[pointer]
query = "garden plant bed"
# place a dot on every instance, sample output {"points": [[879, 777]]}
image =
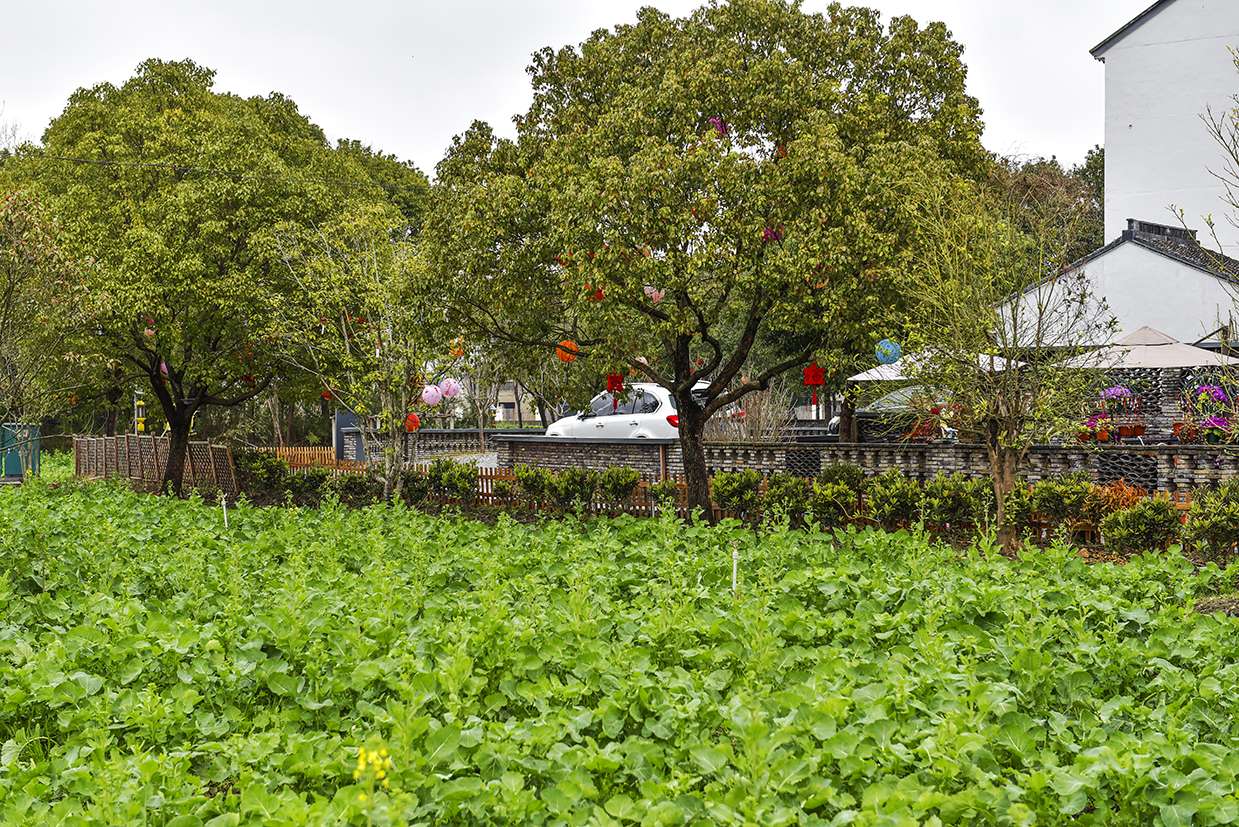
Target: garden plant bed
{"points": [[160, 666]]}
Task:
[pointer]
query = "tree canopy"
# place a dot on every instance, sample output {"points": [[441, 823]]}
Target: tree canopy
{"points": [[706, 201], [175, 192]]}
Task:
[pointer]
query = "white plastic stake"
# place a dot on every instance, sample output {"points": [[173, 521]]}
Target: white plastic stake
{"points": [[223, 503], [735, 569]]}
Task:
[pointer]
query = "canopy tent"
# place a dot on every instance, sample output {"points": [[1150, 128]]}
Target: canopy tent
{"points": [[897, 371], [1150, 348]]}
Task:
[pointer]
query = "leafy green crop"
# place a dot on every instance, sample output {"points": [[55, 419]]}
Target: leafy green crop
{"points": [[384, 666]]}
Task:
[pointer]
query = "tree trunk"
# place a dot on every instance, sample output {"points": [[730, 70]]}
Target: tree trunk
{"points": [[178, 448], [1005, 470], [848, 430], [693, 449]]}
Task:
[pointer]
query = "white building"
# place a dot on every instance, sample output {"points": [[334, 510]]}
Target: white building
{"points": [[1164, 70]]}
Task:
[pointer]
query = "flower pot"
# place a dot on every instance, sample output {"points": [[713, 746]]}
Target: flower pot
{"points": [[1085, 436], [1126, 431], [1138, 430], [1103, 436]]}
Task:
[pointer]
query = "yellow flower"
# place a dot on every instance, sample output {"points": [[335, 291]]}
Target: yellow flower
{"points": [[361, 797], [356, 774], [383, 752]]}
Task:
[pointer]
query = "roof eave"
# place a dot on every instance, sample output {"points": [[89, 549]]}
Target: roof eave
{"points": [[1101, 48]]}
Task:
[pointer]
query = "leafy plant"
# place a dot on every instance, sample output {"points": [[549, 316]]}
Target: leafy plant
{"points": [[1063, 499], [845, 473], [354, 490], [737, 492], [453, 480], [892, 499], [665, 493], [1102, 500], [787, 496], [1212, 528], [616, 485], [414, 488], [833, 504], [573, 488], [1151, 524], [957, 501], [534, 483]]}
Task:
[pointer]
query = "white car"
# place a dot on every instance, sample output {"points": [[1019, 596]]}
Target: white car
{"points": [[645, 411]]}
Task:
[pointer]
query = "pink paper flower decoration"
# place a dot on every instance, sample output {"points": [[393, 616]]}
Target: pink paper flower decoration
{"points": [[450, 388], [431, 395], [654, 294]]}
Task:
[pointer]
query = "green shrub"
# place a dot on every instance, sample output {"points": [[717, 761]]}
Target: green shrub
{"points": [[574, 488], [956, 500], [414, 488], [833, 504], [534, 483], [261, 475], [737, 491], [665, 493], [786, 496], [305, 488], [892, 499], [616, 485], [354, 490], [505, 489], [1018, 507], [1064, 499], [853, 476], [453, 480], [1213, 523], [1148, 525]]}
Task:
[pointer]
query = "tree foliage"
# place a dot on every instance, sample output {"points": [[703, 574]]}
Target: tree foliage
{"points": [[707, 201], [174, 192]]}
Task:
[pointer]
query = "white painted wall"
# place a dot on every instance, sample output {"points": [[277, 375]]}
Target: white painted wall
{"points": [[1159, 80], [1144, 288]]}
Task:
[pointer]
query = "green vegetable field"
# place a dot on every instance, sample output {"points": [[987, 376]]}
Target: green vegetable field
{"points": [[388, 667]]}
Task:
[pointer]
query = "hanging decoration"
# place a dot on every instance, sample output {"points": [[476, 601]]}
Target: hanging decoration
{"points": [[412, 422], [149, 333], [431, 395], [457, 349], [654, 294], [888, 352], [594, 294], [327, 396], [814, 378], [771, 234], [615, 387], [450, 388], [721, 127], [163, 369], [566, 351]]}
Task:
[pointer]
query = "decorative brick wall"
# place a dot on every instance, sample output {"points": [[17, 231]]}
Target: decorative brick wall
{"points": [[1167, 468]]}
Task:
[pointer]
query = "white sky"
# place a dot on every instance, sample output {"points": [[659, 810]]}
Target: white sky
{"points": [[406, 75]]}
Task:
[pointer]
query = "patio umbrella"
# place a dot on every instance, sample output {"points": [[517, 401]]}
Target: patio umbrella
{"points": [[1150, 348]]}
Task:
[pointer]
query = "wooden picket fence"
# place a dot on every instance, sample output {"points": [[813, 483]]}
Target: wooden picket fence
{"points": [[302, 457]]}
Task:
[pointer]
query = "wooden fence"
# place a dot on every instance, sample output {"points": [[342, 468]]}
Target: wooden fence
{"points": [[301, 457], [141, 459]]}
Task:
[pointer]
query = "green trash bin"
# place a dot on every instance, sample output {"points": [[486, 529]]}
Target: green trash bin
{"points": [[17, 438]]}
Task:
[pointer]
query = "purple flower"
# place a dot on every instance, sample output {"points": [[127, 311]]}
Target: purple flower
{"points": [[1214, 392], [720, 126], [771, 234], [1117, 392], [1217, 423]]}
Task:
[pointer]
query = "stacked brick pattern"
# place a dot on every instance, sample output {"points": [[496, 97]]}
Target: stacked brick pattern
{"points": [[1165, 468]]}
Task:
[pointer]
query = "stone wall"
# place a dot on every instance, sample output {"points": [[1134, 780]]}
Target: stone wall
{"points": [[1166, 468]]}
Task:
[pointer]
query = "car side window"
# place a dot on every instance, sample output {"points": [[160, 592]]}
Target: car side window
{"points": [[644, 403], [602, 405]]}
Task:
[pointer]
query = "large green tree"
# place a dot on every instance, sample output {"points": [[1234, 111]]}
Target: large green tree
{"points": [[708, 201], [175, 191]]}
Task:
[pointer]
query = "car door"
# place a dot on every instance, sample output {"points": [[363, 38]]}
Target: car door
{"points": [[599, 421], [635, 416]]}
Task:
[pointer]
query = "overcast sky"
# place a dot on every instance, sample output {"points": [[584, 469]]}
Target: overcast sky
{"points": [[406, 75]]}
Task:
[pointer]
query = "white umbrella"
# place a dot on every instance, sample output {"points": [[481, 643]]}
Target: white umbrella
{"points": [[1150, 348]]}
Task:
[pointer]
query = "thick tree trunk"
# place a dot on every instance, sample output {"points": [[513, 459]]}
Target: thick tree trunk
{"points": [[178, 448], [848, 430], [692, 447], [1005, 470]]}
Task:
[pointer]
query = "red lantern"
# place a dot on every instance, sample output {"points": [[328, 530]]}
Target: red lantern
{"points": [[326, 395], [412, 422], [615, 387], [814, 377]]}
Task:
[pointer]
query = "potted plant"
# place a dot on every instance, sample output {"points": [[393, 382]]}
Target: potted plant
{"points": [[1123, 406], [1215, 429], [1098, 427]]}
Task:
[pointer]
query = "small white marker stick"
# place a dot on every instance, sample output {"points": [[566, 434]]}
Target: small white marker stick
{"points": [[223, 503], [735, 569]]}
